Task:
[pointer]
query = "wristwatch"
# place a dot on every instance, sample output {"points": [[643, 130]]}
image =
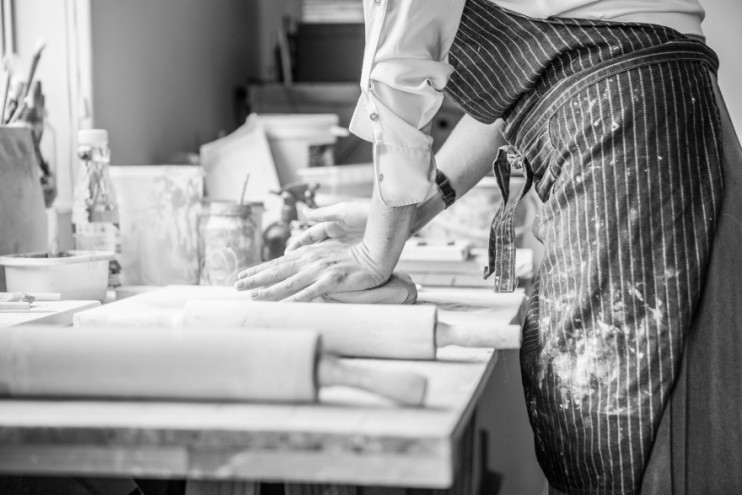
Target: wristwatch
{"points": [[444, 186]]}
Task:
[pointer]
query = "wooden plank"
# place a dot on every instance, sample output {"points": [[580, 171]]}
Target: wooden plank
{"points": [[94, 460], [349, 438], [57, 313]]}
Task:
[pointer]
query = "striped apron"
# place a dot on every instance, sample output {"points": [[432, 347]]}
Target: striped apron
{"points": [[617, 128]]}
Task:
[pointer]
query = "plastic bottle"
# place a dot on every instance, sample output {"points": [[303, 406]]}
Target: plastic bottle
{"points": [[95, 213], [278, 233]]}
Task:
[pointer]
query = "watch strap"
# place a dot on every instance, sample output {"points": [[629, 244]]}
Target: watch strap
{"points": [[444, 186]]}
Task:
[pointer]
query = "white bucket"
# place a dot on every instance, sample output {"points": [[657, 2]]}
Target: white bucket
{"points": [[79, 275], [299, 141]]}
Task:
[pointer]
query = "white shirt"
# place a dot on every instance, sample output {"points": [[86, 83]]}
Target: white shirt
{"points": [[405, 69]]}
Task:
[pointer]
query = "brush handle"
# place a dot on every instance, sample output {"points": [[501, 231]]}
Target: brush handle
{"points": [[6, 91], [34, 64], [29, 81]]}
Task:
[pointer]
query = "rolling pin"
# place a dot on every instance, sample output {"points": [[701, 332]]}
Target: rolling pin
{"points": [[358, 330], [185, 364]]}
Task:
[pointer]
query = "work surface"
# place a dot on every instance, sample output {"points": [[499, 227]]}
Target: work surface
{"points": [[58, 313], [349, 437]]}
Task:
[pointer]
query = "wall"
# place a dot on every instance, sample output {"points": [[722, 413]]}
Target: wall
{"points": [[270, 13], [164, 72], [723, 29]]}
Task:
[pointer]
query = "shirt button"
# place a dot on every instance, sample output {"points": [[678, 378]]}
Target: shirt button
{"points": [[381, 177], [378, 2], [374, 116]]}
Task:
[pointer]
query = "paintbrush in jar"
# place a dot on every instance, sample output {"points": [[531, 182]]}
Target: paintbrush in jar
{"points": [[40, 45], [6, 90], [244, 190]]}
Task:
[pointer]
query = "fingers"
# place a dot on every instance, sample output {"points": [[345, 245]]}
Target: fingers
{"points": [[312, 235], [309, 273], [314, 291], [304, 285], [283, 289], [266, 274], [256, 269]]}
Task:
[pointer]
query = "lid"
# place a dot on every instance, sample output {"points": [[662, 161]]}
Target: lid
{"points": [[92, 136]]}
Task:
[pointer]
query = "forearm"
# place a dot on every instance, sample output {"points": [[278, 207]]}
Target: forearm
{"points": [[385, 234], [465, 158]]}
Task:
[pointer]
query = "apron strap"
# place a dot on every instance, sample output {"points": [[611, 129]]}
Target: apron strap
{"points": [[501, 249]]}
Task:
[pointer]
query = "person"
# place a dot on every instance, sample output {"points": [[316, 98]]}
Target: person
{"points": [[611, 110]]}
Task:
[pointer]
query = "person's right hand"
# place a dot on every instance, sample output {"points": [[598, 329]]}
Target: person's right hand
{"points": [[344, 222]]}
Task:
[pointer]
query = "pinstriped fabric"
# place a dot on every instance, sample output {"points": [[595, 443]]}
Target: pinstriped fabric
{"points": [[626, 226], [501, 252], [519, 54], [619, 125]]}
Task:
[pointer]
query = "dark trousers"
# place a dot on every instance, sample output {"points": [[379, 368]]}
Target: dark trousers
{"points": [[699, 443]]}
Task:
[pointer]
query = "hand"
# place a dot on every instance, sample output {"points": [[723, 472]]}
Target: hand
{"points": [[342, 221], [313, 271]]}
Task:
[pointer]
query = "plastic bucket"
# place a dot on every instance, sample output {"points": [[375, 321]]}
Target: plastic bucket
{"points": [[341, 182], [80, 275], [299, 141]]}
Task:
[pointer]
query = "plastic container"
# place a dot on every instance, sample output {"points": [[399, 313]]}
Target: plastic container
{"points": [[341, 182], [159, 208], [299, 141], [77, 275]]}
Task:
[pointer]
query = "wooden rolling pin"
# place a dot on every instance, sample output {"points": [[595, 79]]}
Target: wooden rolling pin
{"points": [[185, 364], [358, 330]]}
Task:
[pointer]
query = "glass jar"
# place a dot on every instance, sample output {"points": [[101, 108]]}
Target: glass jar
{"points": [[231, 242]]}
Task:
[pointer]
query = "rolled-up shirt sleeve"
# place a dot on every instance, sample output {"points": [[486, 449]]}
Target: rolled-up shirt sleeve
{"points": [[405, 69]]}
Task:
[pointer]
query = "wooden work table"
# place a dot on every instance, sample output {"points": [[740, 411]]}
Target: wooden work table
{"points": [[57, 313], [348, 437]]}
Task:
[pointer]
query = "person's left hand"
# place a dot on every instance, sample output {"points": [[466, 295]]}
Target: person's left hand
{"points": [[344, 221], [313, 271]]}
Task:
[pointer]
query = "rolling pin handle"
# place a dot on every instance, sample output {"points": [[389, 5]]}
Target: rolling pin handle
{"points": [[477, 335], [400, 386]]}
